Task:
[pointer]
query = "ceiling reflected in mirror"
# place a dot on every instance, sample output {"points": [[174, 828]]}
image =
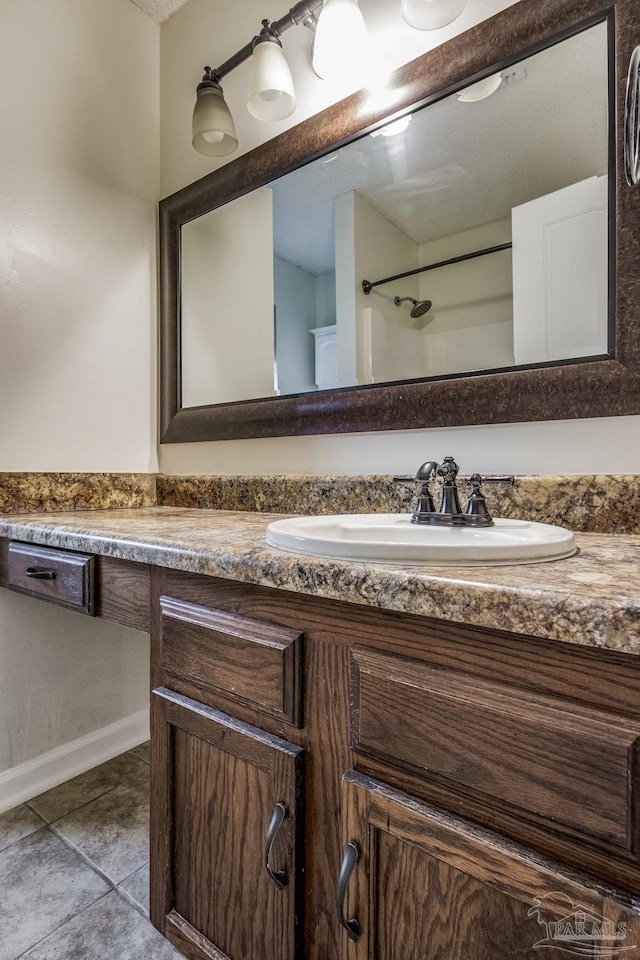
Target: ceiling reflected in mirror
{"points": [[490, 204]]}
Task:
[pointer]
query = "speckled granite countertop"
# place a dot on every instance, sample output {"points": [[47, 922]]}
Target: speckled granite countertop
{"points": [[592, 599]]}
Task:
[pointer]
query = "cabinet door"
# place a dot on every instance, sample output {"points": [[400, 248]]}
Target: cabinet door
{"points": [[419, 884], [226, 834]]}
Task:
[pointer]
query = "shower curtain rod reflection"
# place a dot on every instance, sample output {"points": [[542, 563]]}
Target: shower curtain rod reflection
{"points": [[368, 286]]}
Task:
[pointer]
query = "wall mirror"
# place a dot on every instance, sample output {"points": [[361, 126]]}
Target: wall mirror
{"points": [[455, 261]]}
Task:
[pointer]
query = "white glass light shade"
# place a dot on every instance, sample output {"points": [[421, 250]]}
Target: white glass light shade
{"points": [[340, 44], [214, 132], [271, 92], [481, 90], [431, 14]]}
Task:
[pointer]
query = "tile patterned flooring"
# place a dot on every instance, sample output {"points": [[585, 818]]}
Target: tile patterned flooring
{"points": [[74, 872]]}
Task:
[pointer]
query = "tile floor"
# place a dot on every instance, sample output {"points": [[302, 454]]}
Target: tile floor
{"points": [[74, 873]]}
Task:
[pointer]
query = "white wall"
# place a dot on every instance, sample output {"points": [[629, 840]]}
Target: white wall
{"points": [[381, 250], [326, 299], [79, 180], [78, 184], [63, 675], [228, 271], [367, 245], [474, 292], [470, 325], [202, 32]]}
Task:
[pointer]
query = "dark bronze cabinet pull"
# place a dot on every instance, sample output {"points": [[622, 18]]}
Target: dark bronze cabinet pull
{"points": [[37, 574], [349, 861], [279, 877]]}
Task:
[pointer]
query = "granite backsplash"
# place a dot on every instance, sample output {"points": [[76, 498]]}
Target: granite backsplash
{"points": [[588, 503], [56, 492]]}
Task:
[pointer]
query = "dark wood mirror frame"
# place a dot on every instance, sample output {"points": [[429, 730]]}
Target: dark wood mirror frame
{"points": [[596, 388]]}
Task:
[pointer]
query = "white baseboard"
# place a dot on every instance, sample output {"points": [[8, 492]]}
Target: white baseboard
{"points": [[50, 769]]}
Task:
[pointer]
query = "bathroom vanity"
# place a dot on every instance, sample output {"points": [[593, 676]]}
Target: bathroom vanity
{"points": [[361, 761]]}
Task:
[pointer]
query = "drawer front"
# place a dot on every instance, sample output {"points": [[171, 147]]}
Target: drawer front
{"points": [[254, 661], [561, 760], [59, 576]]}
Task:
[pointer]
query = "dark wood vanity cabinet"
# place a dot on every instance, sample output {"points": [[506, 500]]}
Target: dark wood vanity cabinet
{"points": [[430, 886], [228, 812], [446, 792], [105, 587], [226, 862]]}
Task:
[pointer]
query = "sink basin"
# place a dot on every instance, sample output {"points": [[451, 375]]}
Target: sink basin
{"points": [[392, 538]]}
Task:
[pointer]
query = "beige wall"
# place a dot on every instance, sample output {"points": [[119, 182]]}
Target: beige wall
{"points": [[473, 292], [78, 185], [381, 250], [367, 245], [63, 675], [228, 273], [470, 325], [201, 32]]}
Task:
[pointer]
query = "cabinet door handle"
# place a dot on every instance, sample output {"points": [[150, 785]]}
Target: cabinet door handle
{"points": [[279, 877], [37, 574], [349, 860]]}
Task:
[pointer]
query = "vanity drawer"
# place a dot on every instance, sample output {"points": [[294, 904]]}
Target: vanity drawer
{"points": [[253, 661], [563, 761], [59, 576]]}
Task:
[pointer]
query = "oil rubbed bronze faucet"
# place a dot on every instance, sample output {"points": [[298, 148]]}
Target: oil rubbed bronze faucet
{"points": [[450, 513]]}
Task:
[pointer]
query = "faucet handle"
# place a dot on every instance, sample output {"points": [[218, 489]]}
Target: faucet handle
{"points": [[448, 470], [476, 506], [476, 478], [425, 503]]}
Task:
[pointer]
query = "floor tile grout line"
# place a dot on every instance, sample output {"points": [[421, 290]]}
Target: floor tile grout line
{"points": [[112, 885], [115, 885], [63, 925], [50, 823], [128, 897], [87, 860], [133, 902], [145, 759], [133, 872], [25, 837]]}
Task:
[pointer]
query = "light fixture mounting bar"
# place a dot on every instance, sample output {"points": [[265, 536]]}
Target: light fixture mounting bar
{"points": [[302, 12]]}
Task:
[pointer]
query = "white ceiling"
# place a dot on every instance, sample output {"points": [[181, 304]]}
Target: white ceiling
{"points": [[159, 10], [461, 165]]}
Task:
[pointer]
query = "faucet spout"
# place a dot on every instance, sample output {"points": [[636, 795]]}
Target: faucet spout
{"points": [[427, 471], [450, 512]]}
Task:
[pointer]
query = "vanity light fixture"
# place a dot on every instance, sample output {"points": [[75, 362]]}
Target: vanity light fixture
{"points": [[339, 49], [340, 43], [271, 92], [431, 14], [214, 132]]}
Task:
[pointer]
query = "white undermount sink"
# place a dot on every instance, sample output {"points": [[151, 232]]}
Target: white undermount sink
{"points": [[392, 538]]}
